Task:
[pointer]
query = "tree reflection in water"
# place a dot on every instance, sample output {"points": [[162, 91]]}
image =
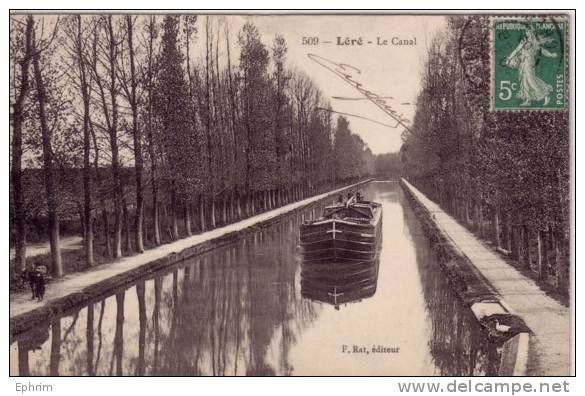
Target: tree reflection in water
{"points": [[457, 344], [238, 310]]}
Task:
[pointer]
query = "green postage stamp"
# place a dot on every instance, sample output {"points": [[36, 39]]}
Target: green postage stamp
{"points": [[529, 63]]}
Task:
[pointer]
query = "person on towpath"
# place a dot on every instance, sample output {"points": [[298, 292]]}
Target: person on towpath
{"points": [[37, 280], [29, 277]]}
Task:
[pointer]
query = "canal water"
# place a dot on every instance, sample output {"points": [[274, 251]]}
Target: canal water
{"points": [[239, 310]]}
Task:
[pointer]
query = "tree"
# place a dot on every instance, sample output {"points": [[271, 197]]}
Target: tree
{"points": [[388, 166], [129, 83], [105, 52], [503, 173], [280, 81], [22, 54], [189, 33], [304, 94], [259, 149], [77, 52], [126, 110], [49, 172], [150, 72], [171, 107]]}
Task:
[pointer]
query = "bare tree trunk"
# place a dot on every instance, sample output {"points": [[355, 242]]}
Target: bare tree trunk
{"points": [[232, 209], [238, 206], [497, 228], [188, 219], [113, 131], [508, 231], [224, 206], [201, 212], [87, 204], [106, 230], [151, 27], [515, 236], [105, 225], [126, 226], [16, 171], [266, 197], [208, 120], [174, 221], [57, 267], [213, 225], [526, 245], [479, 217], [137, 139], [521, 246], [234, 122], [81, 218], [541, 253], [467, 212], [155, 211], [561, 267]]}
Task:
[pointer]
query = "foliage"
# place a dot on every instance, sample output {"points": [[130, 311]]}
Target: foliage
{"points": [[222, 138], [463, 154]]}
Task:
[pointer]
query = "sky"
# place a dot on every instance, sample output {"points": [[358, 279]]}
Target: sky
{"points": [[389, 71]]}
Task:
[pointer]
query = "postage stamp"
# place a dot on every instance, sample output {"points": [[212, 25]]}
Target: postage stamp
{"points": [[529, 63]]}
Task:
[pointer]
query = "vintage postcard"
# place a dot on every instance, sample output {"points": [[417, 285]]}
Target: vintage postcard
{"points": [[259, 193]]}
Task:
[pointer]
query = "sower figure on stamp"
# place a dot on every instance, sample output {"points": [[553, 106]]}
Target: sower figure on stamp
{"points": [[523, 58]]}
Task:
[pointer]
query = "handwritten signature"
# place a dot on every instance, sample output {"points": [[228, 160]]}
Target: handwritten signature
{"points": [[346, 73]]}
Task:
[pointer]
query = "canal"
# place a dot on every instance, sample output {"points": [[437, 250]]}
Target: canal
{"points": [[239, 310]]}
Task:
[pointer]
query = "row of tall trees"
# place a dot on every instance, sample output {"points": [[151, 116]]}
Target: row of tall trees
{"points": [[150, 128], [505, 174], [388, 166]]}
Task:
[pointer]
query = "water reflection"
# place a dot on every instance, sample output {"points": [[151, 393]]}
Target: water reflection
{"points": [[457, 345], [239, 310], [339, 283]]}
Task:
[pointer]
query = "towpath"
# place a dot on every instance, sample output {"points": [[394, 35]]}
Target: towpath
{"points": [[550, 321]]}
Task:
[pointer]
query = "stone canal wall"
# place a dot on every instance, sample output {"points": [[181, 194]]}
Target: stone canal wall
{"points": [[501, 326], [81, 289]]}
